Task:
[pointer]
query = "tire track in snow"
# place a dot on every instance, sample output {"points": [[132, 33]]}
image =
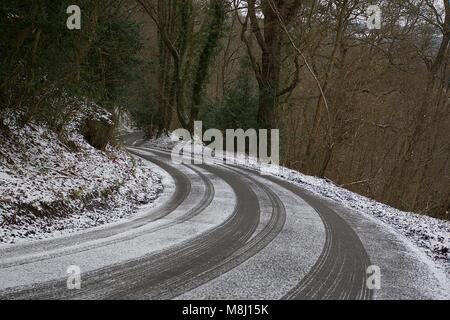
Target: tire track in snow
{"points": [[340, 272]]}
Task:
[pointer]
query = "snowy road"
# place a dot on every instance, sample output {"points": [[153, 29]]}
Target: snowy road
{"points": [[224, 233]]}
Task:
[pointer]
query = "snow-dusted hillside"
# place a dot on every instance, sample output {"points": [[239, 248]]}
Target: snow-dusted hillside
{"points": [[54, 184]]}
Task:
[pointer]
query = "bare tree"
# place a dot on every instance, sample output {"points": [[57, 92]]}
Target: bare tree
{"points": [[177, 34], [262, 23]]}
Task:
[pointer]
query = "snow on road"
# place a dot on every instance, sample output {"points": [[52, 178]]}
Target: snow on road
{"points": [[280, 265], [430, 235], [152, 237]]}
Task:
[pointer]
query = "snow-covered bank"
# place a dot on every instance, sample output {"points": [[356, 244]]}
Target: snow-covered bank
{"points": [[430, 235], [53, 184]]}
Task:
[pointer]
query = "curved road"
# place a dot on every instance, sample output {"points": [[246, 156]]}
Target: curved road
{"points": [[222, 232]]}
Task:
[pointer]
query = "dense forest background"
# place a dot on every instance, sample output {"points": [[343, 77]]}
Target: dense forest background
{"points": [[367, 109]]}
